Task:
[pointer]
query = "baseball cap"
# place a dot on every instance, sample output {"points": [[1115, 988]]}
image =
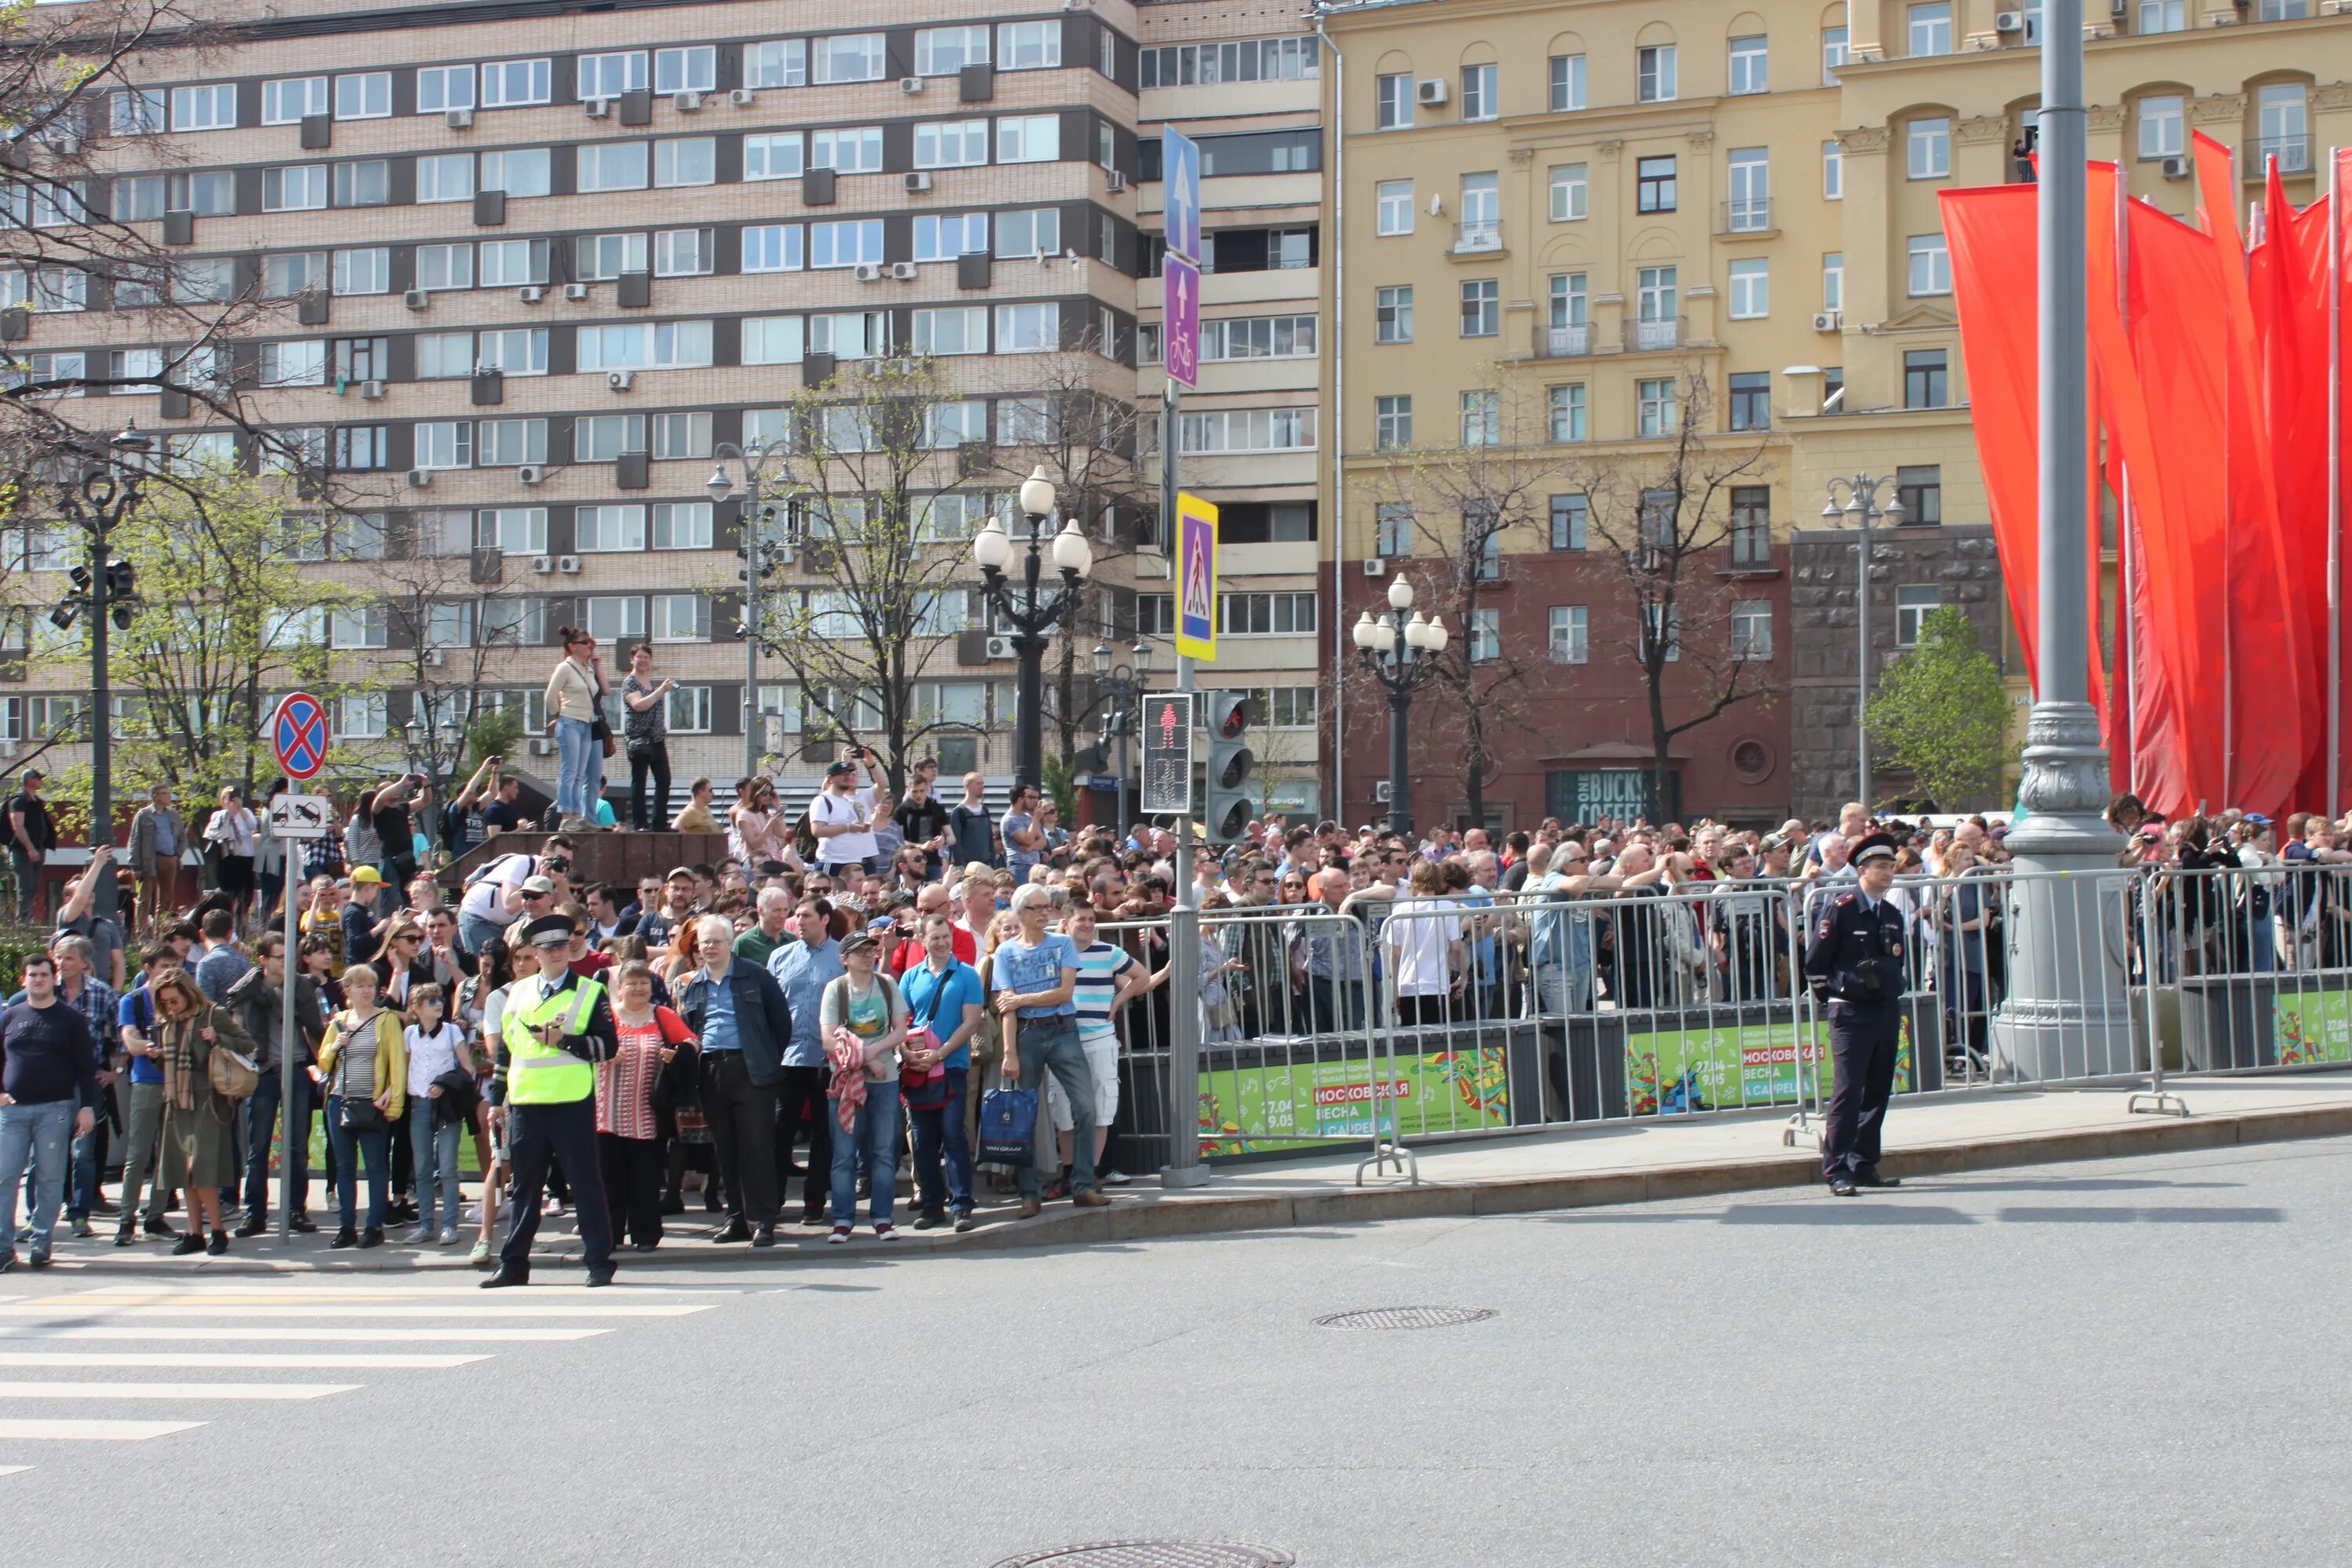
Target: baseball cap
{"points": [[367, 876], [836, 768], [538, 885]]}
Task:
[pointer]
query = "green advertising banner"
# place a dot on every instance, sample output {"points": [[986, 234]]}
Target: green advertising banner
{"points": [[1262, 1110], [1672, 1071], [2313, 1026]]}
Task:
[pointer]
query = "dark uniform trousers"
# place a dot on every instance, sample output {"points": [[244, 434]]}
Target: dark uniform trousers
{"points": [[567, 1133], [1863, 1038]]}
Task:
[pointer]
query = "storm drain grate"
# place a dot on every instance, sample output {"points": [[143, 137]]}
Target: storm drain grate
{"points": [[1405, 1317], [1154, 1555]]}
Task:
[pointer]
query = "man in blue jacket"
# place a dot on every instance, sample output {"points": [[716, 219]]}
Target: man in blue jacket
{"points": [[739, 1013]]}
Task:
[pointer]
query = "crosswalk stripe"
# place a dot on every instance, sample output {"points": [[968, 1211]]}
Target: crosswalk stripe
{"points": [[336, 1309], [325, 1290], [173, 1390], [220, 1359], [37, 1431], [314, 1335], [14, 1469]]}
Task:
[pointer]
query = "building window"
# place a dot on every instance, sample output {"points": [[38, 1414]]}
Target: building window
{"points": [[598, 530], [1751, 399], [2284, 123], [1568, 191], [1482, 418], [362, 185], [1923, 379], [1751, 525], [1028, 329], [1570, 634], [1248, 59], [136, 111], [1657, 296], [1568, 301], [951, 144], [211, 107], [849, 56], [366, 95], [1751, 288], [1028, 45], [292, 100], [686, 161], [1392, 102], [357, 627], [1752, 630], [692, 69], [512, 84], [1567, 83], [367, 271], [773, 156], [2161, 123], [1913, 605], [1393, 528], [1028, 139], [1662, 625], [1392, 423], [1749, 207], [1485, 630], [443, 87], [1565, 405], [1833, 54], [1833, 282], [1920, 489], [1748, 64], [781, 62], [1654, 184], [1478, 92], [611, 75], [1392, 314], [1655, 68], [958, 330], [614, 619], [612, 167], [1656, 414], [1833, 172], [1571, 517], [1930, 144], [301, 187], [1481, 213], [1931, 265], [1266, 614], [1931, 29], [2163, 15], [1393, 207], [1482, 307]]}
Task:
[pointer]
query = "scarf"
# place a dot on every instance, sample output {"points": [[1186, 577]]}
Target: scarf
{"points": [[176, 1045], [848, 1086]]}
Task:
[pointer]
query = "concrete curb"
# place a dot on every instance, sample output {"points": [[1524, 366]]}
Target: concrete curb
{"points": [[1155, 1219]]}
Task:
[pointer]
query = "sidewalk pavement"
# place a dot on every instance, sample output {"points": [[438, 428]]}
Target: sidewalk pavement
{"points": [[1619, 1162]]}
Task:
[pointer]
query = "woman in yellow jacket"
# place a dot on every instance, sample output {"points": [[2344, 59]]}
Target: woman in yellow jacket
{"points": [[574, 700], [363, 1065]]}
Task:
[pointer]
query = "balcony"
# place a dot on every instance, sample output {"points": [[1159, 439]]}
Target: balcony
{"points": [[1650, 336], [1478, 237], [1746, 214], [1564, 342], [2292, 153]]}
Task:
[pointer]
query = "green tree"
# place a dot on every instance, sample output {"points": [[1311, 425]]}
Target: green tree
{"points": [[1941, 713]]}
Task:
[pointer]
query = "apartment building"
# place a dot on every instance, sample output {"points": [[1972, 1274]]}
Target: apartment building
{"points": [[1552, 220], [539, 264]]}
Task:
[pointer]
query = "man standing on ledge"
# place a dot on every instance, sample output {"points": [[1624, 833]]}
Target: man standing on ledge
{"points": [[1854, 962], [543, 1100]]}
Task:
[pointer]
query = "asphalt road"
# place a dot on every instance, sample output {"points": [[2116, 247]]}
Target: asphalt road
{"points": [[2125, 1362]]}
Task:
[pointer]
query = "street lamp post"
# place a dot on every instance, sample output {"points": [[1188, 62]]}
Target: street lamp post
{"points": [[760, 556], [1124, 683], [96, 502], [1402, 655], [1031, 617], [425, 757], [1862, 508]]}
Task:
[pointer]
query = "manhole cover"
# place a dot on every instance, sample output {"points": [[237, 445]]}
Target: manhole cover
{"points": [[1155, 1554], [1405, 1317]]}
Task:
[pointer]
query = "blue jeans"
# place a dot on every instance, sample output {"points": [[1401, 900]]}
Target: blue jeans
{"points": [[437, 1158], [875, 1136], [932, 1127], [86, 1161], [350, 1148], [38, 1135], [472, 930], [1051, 1045], [260, 1112], [576, 747]]}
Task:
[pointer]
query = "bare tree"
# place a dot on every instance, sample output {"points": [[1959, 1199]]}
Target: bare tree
{"points": [[452, 629]]}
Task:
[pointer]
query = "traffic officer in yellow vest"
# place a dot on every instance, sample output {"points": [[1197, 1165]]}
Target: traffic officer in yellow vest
{"points": [[543, 1100]]}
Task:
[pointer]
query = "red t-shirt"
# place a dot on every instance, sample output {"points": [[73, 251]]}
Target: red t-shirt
{"points": [[910, 952]]}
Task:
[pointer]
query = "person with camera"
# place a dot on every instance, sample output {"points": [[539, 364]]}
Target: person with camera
{"points": [[1856, 963], [644, 728], [842, 826]]}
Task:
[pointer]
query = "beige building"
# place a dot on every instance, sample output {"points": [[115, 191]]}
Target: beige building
{"points": [[1582, 206]]}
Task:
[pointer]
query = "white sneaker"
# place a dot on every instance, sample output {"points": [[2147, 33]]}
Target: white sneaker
{"points": [[1113, 1178], [449, 1236], [420, 1236]]}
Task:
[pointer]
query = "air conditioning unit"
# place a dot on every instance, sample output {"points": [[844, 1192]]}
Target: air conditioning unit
{"points": [[420, 479], [911, 84], [2331, 8], [416, 299], [1379, 788], [575, 290], [1828, 321], [921, 180], [531, 293], [530, 474], [620, 380], [458, 118], [567, 564], [541, 746], [597, 108], [1430, 91], [1001, 647], [2176, 168], [542, 564], [687, 102], [903, 271], [2093, 31], [1376, 567], [436, 657], [67, 146], [2009, 22], [1113, 180], [743, 97], [867, 272], [370, 390]]}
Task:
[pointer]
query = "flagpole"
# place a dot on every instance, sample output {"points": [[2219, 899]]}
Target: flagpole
{"points": [[2128, 529], [2335, 480]]}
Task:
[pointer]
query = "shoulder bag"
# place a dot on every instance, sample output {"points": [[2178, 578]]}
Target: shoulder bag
{"points": [[925, 1087], [231, 1072]]}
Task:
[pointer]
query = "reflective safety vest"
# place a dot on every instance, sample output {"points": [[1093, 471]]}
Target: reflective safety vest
{"points": [[546, 1075]]}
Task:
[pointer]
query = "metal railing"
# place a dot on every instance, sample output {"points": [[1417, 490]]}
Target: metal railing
{"points": [[1477, 236], [1564, 342], [2292, 153], [1746, 214], [1664, 333]]}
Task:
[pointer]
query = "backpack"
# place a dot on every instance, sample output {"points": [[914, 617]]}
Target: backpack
{"points": [[489, 865]]}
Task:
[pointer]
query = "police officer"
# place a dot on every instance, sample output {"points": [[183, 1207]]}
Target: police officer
{"points": [[544, 1098], [1855, 962]]}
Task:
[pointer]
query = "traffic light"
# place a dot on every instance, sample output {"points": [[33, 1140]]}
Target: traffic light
{"points": [[120, 584], [1232, 766], [79, 578]]}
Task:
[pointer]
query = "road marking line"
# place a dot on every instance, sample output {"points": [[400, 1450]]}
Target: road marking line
{"points": [[388, 1335], [96, 1431], [173, 1390], [14, 1469], [217, 1359], [479, 1310], [262, 1294]]}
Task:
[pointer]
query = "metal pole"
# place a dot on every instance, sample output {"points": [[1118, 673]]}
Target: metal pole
{"points": [[101, 706], [1867, 494], [753, 545], [2334, 482], [2127, 522], [1400, 714], [2064, 360], [1185, 1168], [1126, 722], [286, 1064]]}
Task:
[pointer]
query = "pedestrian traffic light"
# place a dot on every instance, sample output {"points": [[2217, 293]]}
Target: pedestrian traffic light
{"points": [[120, 584], [1233, 767]]}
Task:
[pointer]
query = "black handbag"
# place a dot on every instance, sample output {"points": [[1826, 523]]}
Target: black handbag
{"points": [[362, 1116]]}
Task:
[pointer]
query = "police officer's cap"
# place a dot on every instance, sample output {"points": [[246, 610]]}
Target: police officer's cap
{"points": [[1877, 846], [549, 930]]}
